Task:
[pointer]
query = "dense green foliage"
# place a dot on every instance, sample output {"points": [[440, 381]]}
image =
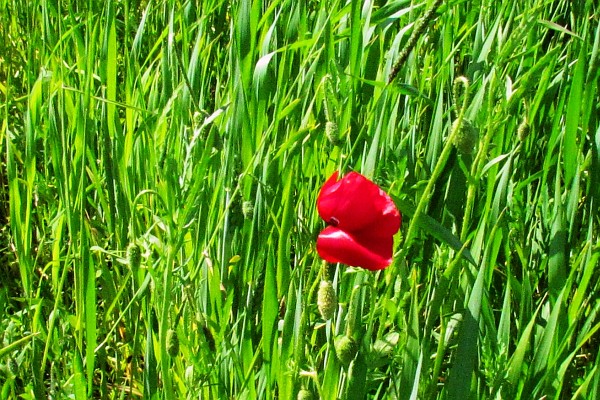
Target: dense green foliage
{"points": [[161, 162]]}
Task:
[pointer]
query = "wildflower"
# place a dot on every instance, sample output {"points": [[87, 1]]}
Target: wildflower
{"points": [[362, 221]]}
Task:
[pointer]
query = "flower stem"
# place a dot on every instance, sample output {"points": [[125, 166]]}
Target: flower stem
{"points": [[439, 166], [352, 309]]}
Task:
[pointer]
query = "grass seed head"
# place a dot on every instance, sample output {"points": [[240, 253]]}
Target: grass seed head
{"points": [[330, 102], [134, 255], [326, 300], [523, 130], [332, 133], [467, 136], [172, 343], [247, 209], [345, 349], [304, 394], [13, 367]]}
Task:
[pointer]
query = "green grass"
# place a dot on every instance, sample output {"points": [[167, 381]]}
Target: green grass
{"points": [[159, 178]]}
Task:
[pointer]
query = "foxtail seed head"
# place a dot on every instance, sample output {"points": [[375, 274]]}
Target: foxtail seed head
{"points": [[332, 133], [467, 136], [172, 343], [345, 349], [247, 209], [326, 300], [134, 256], [330, 99], [13, 367], [304, 394], [523, 130]]}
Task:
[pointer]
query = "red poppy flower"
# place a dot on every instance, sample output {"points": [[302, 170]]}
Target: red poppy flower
{"points": [[362, 222]]}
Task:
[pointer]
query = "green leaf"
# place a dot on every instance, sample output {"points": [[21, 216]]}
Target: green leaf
{"points": [[570, 148]]}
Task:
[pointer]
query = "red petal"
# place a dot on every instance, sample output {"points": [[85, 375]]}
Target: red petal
{"points": [[373, 253], [355, 203]]}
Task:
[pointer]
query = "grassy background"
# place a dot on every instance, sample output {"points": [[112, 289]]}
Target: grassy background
{"points": [[159, 176]]}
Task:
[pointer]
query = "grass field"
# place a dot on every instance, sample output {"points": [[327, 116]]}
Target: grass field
{"points": [[161, 164]]}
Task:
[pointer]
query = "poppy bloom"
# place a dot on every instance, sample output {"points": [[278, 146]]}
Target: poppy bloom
{"points": [[362, 222]]}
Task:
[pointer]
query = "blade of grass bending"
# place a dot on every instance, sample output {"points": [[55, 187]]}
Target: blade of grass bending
{"points": [[515, 365], [579, 297], [592, 378], [539, 371], [16, 344]]}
